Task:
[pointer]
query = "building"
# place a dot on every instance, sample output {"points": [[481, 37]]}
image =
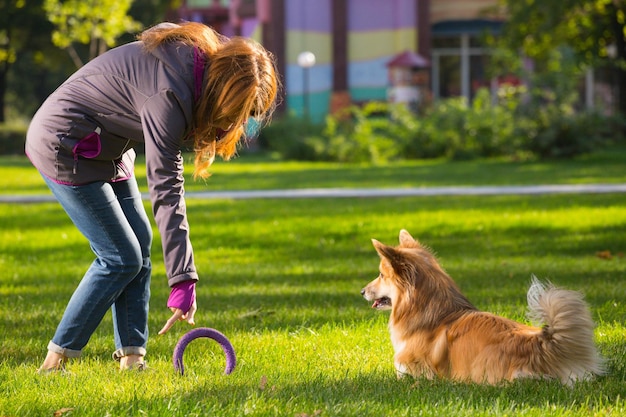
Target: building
{"points": [[353, 41]]}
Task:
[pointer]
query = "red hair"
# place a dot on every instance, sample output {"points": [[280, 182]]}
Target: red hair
{"points": [[241, 82]]}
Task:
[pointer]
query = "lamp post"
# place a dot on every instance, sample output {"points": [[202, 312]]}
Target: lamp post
{"points": [[306, 60]]}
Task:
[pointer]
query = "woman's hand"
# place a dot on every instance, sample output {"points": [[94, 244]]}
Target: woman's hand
{"points": [[180, 315], [182, 302]]}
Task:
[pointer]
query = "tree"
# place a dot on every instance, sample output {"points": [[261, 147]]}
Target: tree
{"points": [[595, 30], [31, 67], [95, 23], [150, 12], [24, 30], [7, 52]]}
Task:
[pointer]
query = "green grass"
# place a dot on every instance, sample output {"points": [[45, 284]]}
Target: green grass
{"points": [[281, 278], [259, 172]]}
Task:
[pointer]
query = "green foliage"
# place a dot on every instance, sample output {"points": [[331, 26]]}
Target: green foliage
{"points": [[562, 134], [516, 123], [362, 134], [588, 27], [288, 137], [24, 31], [97, 23], [8, 49], [12, 139], [39, 66], [592, 31]]}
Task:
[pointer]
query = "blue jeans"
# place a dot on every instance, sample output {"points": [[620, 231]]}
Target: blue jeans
{"points": [[113, 219]]}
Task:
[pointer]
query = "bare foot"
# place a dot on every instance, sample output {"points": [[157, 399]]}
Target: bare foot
{"points": [[132, 362], [54, 362]]}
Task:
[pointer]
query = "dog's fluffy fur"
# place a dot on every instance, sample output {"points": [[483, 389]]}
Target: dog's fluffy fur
{"points": [[437, 332]]}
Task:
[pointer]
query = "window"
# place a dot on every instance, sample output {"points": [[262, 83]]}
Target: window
{"points": [[460, 58]]}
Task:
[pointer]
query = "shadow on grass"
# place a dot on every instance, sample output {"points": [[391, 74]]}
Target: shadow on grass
{"points": [[367, 393], [313, 297]]}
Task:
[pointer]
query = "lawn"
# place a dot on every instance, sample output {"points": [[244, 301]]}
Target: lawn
{"points": [[281, 278], [259, 172]]}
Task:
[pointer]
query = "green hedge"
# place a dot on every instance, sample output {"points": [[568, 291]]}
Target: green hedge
{"points": [[12, 139], [506, 125]]}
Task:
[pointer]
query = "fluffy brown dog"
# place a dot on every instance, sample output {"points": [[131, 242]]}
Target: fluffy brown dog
{"points": [[436, 331]]}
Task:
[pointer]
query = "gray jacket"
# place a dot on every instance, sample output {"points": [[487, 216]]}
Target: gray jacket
{"points": [[87, 129]]}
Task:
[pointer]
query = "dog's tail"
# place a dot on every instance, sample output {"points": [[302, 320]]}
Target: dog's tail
{"points": [[569, 349]]}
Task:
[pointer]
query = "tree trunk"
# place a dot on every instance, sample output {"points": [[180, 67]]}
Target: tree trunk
{"points": [[621, 89], [4, 70], [74, 55], [620, 47]]}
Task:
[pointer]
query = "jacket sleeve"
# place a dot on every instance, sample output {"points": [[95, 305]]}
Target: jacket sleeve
{"points": [[164, 126]]}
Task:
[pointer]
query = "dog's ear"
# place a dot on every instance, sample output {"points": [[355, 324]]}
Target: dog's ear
{"points": [[384, 251], [378, 246], [395, 257], [407, 241]]}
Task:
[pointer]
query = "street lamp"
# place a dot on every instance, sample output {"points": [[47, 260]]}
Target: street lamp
{"points": [[306, 60]]}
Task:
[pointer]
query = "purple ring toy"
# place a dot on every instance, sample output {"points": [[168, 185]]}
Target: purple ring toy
{"points": [[194, 334]]}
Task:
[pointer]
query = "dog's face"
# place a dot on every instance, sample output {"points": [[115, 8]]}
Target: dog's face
{"points": [[385, 291], [382, 291]]}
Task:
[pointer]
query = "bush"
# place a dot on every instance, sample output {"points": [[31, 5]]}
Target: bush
{"points": [[565, 134], [288, 137], [454, 129], [516, 123], [368, 134], [354, 135], [12, 139]]}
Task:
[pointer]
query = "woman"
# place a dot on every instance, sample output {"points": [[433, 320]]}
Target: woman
{"points": [[177, 86]]}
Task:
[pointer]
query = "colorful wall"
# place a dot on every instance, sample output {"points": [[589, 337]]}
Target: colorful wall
{"points": [[308, 28], [377, 30], [370, 31]]}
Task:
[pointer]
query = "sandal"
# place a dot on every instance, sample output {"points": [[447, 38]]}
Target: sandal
{"points": [[59, 367]]}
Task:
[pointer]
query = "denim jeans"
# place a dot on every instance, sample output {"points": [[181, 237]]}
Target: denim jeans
{"points": [[113, 219]]}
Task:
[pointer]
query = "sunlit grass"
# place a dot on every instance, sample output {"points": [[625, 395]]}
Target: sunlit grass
{"points": [[281, 278], [260, 172]]}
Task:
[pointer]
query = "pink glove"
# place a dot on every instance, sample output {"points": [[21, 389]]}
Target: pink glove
{"points": [[182, 295]]}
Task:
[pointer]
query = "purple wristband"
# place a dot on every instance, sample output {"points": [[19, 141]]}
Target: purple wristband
{"points": [[182, 295]]}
